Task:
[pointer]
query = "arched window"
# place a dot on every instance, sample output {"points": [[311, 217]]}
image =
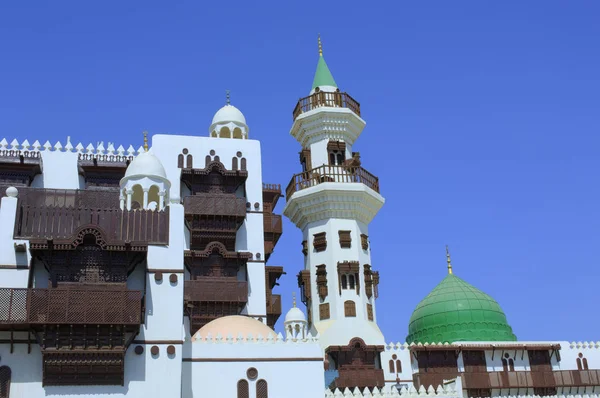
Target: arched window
{"points": [[234, 163], [505, 364], [243, 164], [180, 161], [511, 364], [398, 366], [207, 160], [262, 389], [582, 363], [225, 133], [190, 161], [392, 368], [243, 390], [5, 381], [349, 308], [237, 132]]}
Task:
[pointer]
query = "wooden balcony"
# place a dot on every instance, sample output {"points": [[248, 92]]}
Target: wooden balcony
{"points": [[211, 205], [325, 173], [326, 99], [48, 222], [216, 289], [72, 306], [358, 377], [522, 379], [271, 194], [273, 224]]}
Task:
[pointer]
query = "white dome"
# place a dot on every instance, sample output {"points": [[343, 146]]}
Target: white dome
{"points": [[229, 113], [295, 314], [146, 164], [234, 325]]}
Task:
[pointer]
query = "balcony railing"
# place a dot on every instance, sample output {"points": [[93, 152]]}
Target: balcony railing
{"points": [[48, 222], [215, 205], [326, 173], [328, 99], [70, 306], [360, 377], [71, 198], [216, 289]]}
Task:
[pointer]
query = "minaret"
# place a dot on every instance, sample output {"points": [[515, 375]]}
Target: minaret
{"points": [[332, 201]]}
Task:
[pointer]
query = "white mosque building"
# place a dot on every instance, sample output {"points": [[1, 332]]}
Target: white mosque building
{"points": [[145, 273]]}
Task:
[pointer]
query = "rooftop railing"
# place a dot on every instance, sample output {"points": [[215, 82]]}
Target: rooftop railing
{"points": [[326, 99], [325, 173]]}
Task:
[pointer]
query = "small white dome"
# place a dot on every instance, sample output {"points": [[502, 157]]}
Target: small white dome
{"points": [[146, 164], [234, 325], [295, 314], [229, 113]]}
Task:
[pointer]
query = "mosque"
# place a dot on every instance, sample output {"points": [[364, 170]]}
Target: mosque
{"points": [[145, 273]]}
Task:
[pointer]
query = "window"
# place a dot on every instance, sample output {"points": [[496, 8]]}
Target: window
{"points": [[370, 312], [243, 390], [262, 389], [5, 375], [337, 152], [392, 366], [364, 241], [324, 311], [348, 276], [320, 241], [582, 363], [344, 282], [395, 365], [345, 239], [508, 364], [349, 309]]}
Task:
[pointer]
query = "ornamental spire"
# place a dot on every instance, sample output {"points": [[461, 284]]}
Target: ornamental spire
{"points": [[448, 260], [320, 46], [228, 97], [294, 299], [146, 141]]}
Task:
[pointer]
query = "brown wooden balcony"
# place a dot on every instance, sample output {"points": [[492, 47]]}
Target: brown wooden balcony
{"points": [[325, 173], [274, 305], [326, 99], [216, 289], [215, 205], [359, 377], [72, 306], [271, 194], [273, 224], [522, 379], [48, 222], [272, 274]]}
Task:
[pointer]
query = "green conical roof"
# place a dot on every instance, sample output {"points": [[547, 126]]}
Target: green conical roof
{"points": [[323, 76], [457, 311]]}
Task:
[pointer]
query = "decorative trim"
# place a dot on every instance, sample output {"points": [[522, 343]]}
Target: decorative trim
{"points": [[157, 341], [166, 271], [9, 266], [256, 261], [308, 359]]}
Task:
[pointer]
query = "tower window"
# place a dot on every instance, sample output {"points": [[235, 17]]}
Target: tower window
{"points": [[348, 276], [582, 363], [349, 309], [337, 152], [320, 241], [262, 389], [345, 239], [508, 364], [324, 311]]}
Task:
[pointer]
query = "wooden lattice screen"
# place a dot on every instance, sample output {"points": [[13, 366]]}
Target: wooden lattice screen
{"points": [[262, 390], [5, 382], [243, 390]]}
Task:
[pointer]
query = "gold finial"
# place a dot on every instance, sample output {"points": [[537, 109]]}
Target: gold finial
{"points": [[448, 260], [146, 141], [228, 98], [320, 47], [294, 299]]}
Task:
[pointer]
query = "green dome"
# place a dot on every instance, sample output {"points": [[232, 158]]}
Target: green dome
{"points": [[456, 311]]}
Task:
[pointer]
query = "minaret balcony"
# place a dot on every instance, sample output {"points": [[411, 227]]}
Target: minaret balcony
{"points": [[326, 99], [337, 174]]}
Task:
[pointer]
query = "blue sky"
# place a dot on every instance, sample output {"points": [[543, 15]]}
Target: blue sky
{"points": [[482, 124]]}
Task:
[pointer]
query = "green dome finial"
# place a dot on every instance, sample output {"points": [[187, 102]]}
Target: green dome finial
{"points": [[323, 76], [457, 311]]}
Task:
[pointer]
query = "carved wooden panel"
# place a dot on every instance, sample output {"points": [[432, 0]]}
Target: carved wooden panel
{"points": [[336, 146], [364, 241], [320, 241], [324, 311], [305, 247], [345, 239], [474, 361], [304, 285], [349, 308], [322, 281], [262, 389], [83, 368], [370, 312], [5, 376], [243, 390], [305, 158]]}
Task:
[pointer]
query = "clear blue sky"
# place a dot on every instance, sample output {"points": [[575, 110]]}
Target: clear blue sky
{"points": [[482, 118]]}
